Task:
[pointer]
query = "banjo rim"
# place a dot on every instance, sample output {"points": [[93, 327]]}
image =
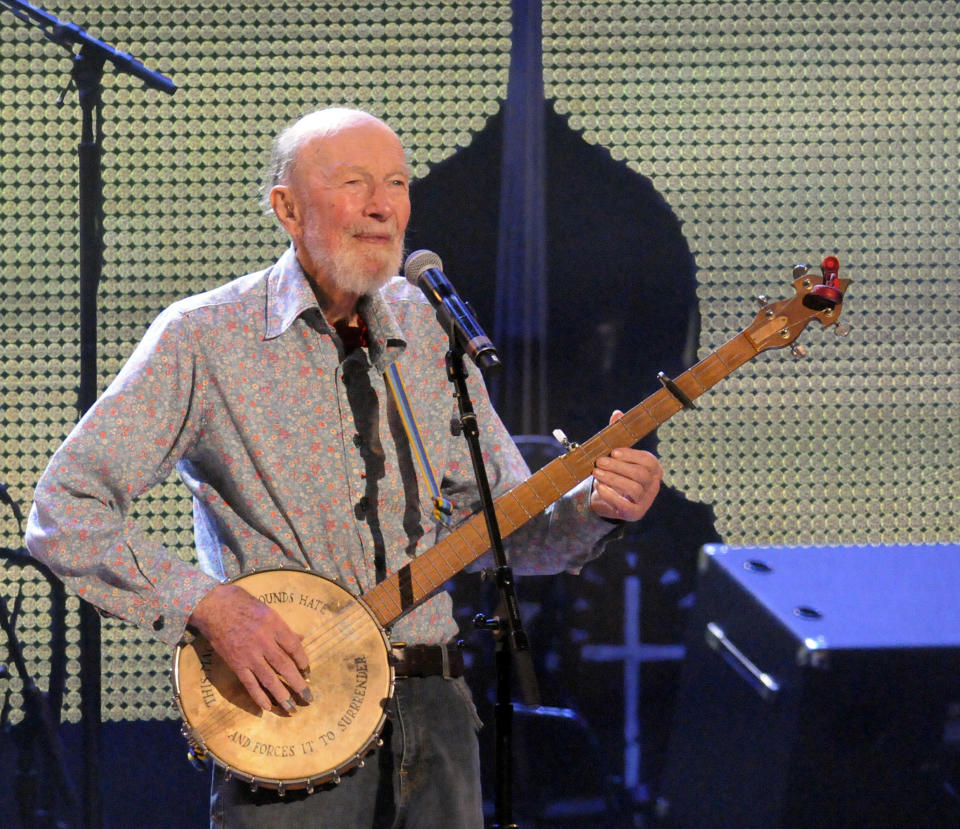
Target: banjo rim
{"points": [[308, 782]]}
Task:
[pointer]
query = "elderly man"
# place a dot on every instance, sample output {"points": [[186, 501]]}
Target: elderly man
{"points": [[268, 395]]}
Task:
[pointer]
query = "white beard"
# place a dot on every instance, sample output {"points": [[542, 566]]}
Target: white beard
{"points": [[351, 271]]}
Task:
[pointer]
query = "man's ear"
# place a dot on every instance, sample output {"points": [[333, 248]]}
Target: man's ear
{"points": [[285, 209]]}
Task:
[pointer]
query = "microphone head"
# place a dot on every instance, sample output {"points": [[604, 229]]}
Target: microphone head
{"points": [[419, 261]]}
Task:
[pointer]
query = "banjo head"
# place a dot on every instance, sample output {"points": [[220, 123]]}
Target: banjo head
{"points": [[350, 677]]}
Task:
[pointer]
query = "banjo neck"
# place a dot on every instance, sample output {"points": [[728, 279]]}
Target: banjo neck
{"points": [[777, 325]]}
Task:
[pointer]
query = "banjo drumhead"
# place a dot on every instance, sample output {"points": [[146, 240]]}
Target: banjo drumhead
{"points": [[350, 678]]}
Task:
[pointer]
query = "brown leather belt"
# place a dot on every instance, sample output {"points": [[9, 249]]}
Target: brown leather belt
{"points": [[427, 660]]}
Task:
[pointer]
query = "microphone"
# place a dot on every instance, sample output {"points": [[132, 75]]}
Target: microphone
{"points": [[424, 269]]}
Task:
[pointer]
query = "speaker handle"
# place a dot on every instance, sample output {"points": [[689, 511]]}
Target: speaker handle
{"points": [[764, 684]]}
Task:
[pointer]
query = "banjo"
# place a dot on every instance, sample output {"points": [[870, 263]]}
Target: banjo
{"points": [[351, 675]]}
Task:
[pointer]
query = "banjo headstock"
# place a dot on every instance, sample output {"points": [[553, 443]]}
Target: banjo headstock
{"points": [[780, 323]]}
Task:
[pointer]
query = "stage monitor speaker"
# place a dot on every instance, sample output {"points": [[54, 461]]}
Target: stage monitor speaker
{"points": [[820, 689]]}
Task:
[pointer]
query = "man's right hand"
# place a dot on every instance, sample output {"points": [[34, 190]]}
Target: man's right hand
{"points": [[267, 657]]}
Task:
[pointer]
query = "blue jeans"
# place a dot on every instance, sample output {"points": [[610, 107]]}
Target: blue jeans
{"points": [[426, 775]]}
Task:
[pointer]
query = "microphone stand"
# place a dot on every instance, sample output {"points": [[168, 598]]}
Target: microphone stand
{"points": [[511, 640], [86, 77]]}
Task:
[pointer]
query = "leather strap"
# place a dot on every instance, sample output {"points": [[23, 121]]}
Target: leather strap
{"points": [[427, 660]]}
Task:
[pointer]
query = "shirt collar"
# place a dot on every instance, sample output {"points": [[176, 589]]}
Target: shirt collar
{"points": [[289, 295]]}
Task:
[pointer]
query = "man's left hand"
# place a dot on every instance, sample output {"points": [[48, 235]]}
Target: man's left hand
{"points": [[625, 483]]}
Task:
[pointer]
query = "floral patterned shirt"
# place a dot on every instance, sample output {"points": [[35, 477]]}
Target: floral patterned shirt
{"points": [[293, 450]]}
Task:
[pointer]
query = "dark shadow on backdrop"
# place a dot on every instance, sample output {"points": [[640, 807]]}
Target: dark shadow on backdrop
{"points": [[621, 282]]}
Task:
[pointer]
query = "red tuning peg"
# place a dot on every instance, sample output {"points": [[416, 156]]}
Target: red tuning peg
{"points": [[828, 294]]}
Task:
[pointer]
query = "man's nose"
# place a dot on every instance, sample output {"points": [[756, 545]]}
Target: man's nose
{"points": [[380, 205]]}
